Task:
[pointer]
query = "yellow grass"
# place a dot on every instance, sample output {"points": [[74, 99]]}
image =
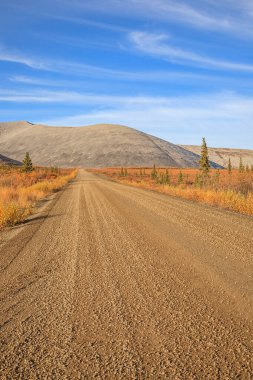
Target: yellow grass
{"points": [[19, 191], [231, 191]]}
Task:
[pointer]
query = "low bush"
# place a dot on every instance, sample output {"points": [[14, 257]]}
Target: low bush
{"points": [[19, 191], [232, 190]]}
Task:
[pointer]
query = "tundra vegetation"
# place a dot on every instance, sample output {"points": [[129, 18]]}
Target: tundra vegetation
{"points": [[21, 187], [228, 188]]}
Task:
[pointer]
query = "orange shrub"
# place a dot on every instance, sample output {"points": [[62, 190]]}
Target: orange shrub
{"points": [[232, 191], [19, 191]]}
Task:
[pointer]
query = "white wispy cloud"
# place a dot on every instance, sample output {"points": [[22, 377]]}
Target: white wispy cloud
{"points": [[44, 96], [92, 23], [152, 44], [181, 119], [81, 69], [226, 16], [15, 56], [30, 80], [158, 45], [178, 119]]}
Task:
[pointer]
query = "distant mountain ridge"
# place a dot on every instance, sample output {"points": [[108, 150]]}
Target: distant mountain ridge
{"points": [[98, 145], [222, 155], [9, 161]]}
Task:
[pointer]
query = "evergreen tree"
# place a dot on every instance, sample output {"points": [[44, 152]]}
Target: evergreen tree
{"points": [[160, 179], [180, 178], [241, 166], [204, 159], [229, 166], [154, 172], [27, 163], [197, 180], [167, 177], [217, 177]]}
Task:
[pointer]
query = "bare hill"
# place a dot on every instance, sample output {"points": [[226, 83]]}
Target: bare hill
{"points": [[221, 155], [92, 146], [8, 161]]}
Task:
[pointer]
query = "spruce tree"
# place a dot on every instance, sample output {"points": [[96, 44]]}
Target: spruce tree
{"points": [[180, 178], [167, 177], [154, 173], [160, 179], [229, 166], [197, 180], [27, 163], [241, 166], [204, 159]]}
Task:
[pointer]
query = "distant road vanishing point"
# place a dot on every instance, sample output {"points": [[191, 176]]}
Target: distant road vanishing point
{"points": [[113, 282]]}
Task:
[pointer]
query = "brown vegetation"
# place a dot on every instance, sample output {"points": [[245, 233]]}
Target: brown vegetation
{"points": [[19, 190], [229, 189]]}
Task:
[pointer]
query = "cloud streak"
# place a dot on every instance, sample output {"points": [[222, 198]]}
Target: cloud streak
{"points": [[178, 119], [148, 44], [16, 57], [156, 45], [224, 16]]}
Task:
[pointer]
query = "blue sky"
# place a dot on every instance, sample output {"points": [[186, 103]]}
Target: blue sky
{"points": [[179, 70]]}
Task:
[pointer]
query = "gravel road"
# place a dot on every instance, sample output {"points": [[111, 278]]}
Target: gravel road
{"points": [[113, 282]]}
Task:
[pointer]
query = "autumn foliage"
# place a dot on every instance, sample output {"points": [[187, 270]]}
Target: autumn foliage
{"points": [[230, 189], [19, 190]]}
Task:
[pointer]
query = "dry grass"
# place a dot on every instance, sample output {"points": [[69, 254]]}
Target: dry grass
{"points": [[19, 191], [232, 191]]}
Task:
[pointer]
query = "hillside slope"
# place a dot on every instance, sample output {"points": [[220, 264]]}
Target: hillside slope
{"points": [[221, 155], [8, 161], [92, 146]]}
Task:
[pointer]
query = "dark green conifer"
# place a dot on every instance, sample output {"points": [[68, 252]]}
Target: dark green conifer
{"points": [[180, 178], [229, 166], [27, 163], [154, 173], [241, 166], [204, 164]]}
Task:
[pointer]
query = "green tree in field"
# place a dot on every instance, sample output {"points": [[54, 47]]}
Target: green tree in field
{"points": [[216, 178], [125, 173], [229, 166], [154, 173], [27, 163], [122, 172], [180, 178], [204, 164], [160, 179], [167, 178], [198, 181], [241, 166]]}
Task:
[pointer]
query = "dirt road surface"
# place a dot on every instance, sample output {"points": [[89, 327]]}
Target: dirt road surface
{"points": [[113, 282]]}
